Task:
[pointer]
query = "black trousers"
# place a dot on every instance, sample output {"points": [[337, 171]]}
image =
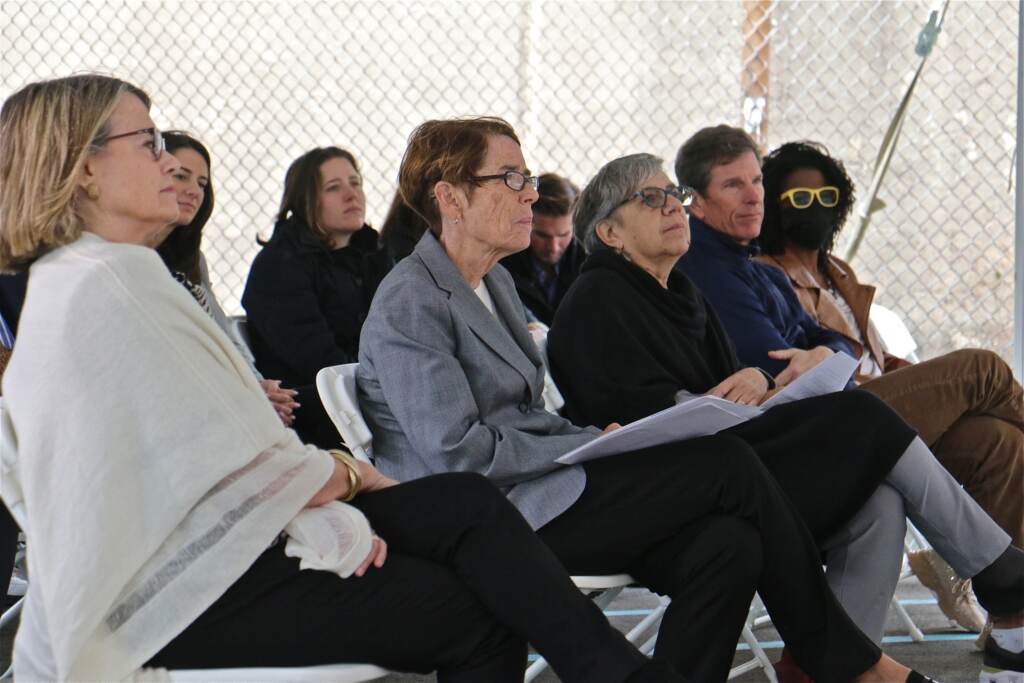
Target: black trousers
{"points": [[466, 584], [312, 423], [705, 523]]}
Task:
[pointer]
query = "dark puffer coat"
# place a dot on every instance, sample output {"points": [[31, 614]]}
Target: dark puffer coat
{"points": [[306, 303]]}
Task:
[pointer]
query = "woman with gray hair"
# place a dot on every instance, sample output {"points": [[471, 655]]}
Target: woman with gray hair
{"points": [[450, 380], [633, 333]]}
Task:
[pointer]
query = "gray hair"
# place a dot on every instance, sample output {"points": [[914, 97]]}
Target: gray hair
{"points": [[612, 185]]}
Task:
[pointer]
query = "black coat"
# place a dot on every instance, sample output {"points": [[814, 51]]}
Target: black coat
{"points": [[621, 346], [12, 298], [520, 265], [306, 303]]}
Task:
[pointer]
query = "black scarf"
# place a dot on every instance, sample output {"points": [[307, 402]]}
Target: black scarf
{"points": [[621, 345]]}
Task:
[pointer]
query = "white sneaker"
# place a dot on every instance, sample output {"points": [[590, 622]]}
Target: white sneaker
{"points": [[956, 599]]}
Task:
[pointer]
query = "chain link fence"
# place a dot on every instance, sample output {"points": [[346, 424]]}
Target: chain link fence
{"points": [[583, 82]]}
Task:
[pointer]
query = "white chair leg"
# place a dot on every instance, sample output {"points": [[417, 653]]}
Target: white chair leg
{"points": [[759, 654], [912, 629], [645, 624], [602, 601], [12, 613], [535, 670]]}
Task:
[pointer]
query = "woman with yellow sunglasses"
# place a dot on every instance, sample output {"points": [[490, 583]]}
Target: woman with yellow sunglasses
{"points": [[965, 405]]}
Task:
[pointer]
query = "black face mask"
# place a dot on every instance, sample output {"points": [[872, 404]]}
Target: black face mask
{"points": [[810, 228]]}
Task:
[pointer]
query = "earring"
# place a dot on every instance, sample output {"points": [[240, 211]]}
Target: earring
{"points": [[92, 192], [456, 221]]}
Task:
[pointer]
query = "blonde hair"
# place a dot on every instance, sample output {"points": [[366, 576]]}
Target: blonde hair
{"points": [[47, 129]]}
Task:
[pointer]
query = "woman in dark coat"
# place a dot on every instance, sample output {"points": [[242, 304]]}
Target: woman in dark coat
{"points": [[306, 296], [632, 332]]}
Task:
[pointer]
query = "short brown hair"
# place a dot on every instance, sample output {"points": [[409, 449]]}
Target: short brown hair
{"points": [[556, 195], [449, 150], [47, 129], [302, 187], [710, 147]]}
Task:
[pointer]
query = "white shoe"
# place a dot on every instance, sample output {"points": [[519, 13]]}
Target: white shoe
{"points": [[956, 599]]}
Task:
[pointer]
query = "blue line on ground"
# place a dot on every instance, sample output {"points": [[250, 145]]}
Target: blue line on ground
{"points": [[888, 640], [778, 644], [645, 612], [627, 612]]}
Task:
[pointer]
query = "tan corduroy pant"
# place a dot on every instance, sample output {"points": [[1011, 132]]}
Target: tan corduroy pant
{"points": [[969, 410]]}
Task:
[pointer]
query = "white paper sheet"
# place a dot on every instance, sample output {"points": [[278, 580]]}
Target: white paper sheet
{"points": [[704, 415], [829, 375], [697, 417]]}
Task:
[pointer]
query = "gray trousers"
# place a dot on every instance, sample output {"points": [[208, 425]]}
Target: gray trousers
{"points": [[863, 559]]}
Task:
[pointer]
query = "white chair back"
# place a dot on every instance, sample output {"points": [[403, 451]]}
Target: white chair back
{"points": [[553, 399], [337, 388], [893, 332]]}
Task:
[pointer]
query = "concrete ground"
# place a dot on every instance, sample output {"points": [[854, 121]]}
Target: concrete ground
{"points": [[947, 654]]}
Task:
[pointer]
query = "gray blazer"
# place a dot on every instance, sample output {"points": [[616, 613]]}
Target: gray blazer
{"points": [[447, 387]]}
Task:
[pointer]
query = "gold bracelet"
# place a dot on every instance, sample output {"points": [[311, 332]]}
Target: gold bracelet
{"points": [[355, 480]]}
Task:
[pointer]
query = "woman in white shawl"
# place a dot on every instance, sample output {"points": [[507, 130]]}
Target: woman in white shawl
{"points": [[154, 480]]}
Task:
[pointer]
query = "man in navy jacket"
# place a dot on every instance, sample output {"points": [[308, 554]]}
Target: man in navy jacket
{"points": [[964, 404], [755, 302]]}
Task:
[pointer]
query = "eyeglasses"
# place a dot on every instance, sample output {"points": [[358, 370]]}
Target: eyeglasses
{"points": [[803, 197], [158, 144], [657, 197], [514, 180]]}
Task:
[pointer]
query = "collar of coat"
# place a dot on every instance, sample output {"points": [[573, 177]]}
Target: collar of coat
{"points": [[301, 238], [713, 242], [511, 341]]}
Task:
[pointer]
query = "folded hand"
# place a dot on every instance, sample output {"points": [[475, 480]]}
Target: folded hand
{"points": [[283, 400], [747, 387]]}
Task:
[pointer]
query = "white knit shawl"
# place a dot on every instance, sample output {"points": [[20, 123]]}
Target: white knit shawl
{"points": [[153, 471]]}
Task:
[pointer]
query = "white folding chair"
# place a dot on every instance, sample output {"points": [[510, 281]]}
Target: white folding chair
{"points": [[895, 336], [553, 399], [337, 388], [912, 541], [329, 673], [10, 491]]}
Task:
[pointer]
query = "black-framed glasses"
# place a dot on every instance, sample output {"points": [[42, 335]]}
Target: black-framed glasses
{"points": [[158, 139], [657, 197], [514, 180]]}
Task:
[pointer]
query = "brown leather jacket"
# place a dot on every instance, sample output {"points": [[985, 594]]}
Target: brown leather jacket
{"points": [[827, 314]]}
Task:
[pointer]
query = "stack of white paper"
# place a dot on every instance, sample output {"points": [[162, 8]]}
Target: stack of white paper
{"points": [[703, 415]]}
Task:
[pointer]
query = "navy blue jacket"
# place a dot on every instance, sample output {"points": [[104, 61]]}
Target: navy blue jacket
{"points": [[754, 301]]}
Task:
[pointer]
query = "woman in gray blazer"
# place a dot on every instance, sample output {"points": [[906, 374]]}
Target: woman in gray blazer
{"points": [[450, 380]]}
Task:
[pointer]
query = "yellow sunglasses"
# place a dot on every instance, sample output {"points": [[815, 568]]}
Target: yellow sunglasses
{"points": [[802, 197]]}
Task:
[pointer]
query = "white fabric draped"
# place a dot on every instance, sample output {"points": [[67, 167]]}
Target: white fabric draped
{"points": [[151, 469]]}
